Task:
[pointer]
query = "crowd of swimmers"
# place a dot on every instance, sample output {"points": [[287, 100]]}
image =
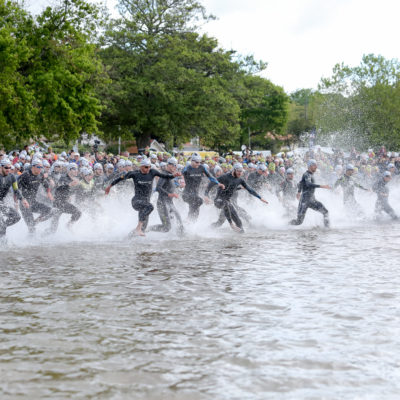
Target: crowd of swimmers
{"points": [[42, 185]]}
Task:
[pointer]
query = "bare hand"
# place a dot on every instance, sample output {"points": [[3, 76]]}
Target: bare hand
{"points": [[173, 195], [221, 185], [107, 190], [298, 196], [264, 201], [207, 200], [177, 173], [50, 196], [25, 203]]}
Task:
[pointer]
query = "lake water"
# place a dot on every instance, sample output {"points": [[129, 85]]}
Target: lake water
{"points": [[277, 313]]}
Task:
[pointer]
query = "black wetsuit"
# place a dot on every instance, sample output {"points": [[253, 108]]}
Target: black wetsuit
{"points": [[193, 177], [221, 218], [62, 202], [348, 184], [257, 181], [8, 215], [99, 183], [109, 178], [85, 191], [382, 202], [55, 176], [307, 200], [274, 179], [165, 206], [143, 188], [224, 196], [29, 185], [289, 190]]}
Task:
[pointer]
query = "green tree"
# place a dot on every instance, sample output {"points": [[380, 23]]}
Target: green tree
{"points": [[65, 70], [17, 111], [150, 19], [362, 103], [264, 109], [168, 81], [302, 111], [50, 69]]}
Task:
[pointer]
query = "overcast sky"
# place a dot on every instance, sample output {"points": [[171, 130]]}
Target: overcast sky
{"points": [[301, 40]]}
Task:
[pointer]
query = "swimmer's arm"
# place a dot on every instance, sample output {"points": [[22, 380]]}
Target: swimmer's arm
{"points": [[250, 189], [209, 176], [309, 184], [165, 175], [16, 190], [46, 184], [360, 186], [209, 187], [160, 189], [130, 174]]}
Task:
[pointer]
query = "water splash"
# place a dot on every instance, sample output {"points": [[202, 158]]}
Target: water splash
{"points": [[113, 218]]}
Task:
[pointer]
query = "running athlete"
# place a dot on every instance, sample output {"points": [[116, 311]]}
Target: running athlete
{"points": [[193, 174], [305, 193], [165, 205], [381, 189], [98, 178], [348, 184], [258, 179], [8, 216], [143, 181], [221, 218], [231, 181], [29, 183], [62, 196], [289, 190]]}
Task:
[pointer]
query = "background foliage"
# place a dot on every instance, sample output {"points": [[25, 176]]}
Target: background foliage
{"points": [[152, 74]]}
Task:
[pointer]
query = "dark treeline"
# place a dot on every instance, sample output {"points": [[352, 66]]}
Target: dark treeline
{"points": [[152, 74]]}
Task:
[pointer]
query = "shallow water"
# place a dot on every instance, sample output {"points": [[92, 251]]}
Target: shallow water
{"points": [[277, 313]]}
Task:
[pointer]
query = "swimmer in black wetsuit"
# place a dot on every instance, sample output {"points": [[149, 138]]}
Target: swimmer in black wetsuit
{"points": [[221, 218], [306, 188], [289, 190], [29, 183], [193, 174], [98, 178], [165, 206], [8, 216], [348, 184], [62, 196], [230, 183], [258, 179], [143, 180], [382, 203]]}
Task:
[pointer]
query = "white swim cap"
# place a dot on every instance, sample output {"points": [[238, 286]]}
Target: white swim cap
{"points": [[196, 158], [172, 161], [311, 162], [261, 167]]}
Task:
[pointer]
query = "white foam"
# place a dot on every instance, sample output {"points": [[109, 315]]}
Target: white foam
{"points": [[115, 218]]}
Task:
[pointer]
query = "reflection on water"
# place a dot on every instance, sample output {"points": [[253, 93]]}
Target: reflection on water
{"points": [[282, 314]]}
